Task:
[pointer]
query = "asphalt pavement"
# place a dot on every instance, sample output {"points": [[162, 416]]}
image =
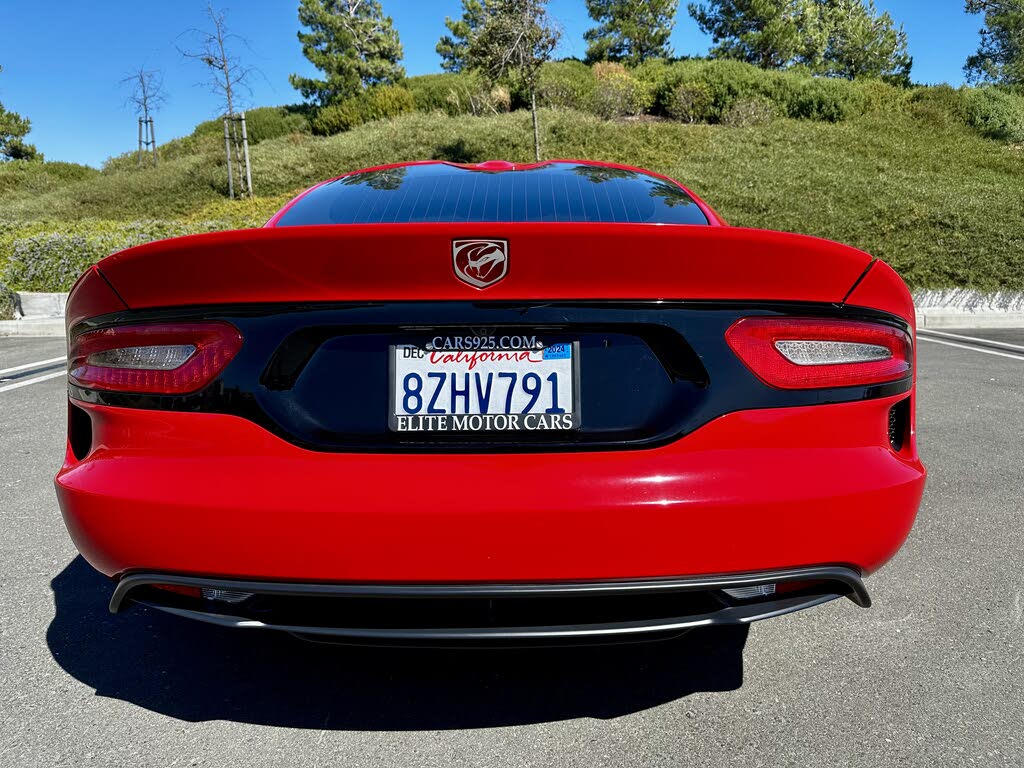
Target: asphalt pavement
{"points": [[932, 675]]}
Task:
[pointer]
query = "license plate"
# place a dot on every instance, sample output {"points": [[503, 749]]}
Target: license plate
{"points": [[503, 383]]}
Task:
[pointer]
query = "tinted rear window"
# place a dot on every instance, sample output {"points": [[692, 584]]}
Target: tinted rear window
{"points": [[557, 192]]}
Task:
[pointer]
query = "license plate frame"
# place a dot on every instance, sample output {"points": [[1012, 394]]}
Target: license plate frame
{"points": [[449, 425]]}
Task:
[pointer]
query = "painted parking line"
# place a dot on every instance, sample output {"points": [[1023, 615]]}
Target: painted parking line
{"points": [[963, 346], [30, 366], [36, 380], [924, 332]]}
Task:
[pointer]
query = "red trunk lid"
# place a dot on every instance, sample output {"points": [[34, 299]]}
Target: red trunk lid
{"points": [[395, 262]]}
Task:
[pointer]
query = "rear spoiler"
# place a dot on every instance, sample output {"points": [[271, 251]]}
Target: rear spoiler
{"points": [[546, 261]]}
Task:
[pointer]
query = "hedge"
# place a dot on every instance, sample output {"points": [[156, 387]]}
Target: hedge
{"points": [[995, 113], [379, 103], [6, 303], [51, 257]]}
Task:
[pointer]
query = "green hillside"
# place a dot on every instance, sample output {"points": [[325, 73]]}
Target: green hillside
{"points": [[907, 175]]}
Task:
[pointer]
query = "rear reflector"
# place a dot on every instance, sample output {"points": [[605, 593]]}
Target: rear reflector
{"points": [[166, 358], [225, 595], [810, 353], [749, 593]]}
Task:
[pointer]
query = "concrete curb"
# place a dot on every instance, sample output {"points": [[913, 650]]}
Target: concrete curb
{"points": [[33, 326], [33, 304], [958, 318]]}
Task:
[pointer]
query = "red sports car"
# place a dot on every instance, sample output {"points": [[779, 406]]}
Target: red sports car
{"points": [[437, 402]]}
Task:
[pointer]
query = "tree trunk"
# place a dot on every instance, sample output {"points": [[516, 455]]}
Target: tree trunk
{"points": [[536, 129]]}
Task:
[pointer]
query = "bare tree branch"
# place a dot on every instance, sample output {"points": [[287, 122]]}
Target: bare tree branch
{"points": [[227, 73], [147, 91]]}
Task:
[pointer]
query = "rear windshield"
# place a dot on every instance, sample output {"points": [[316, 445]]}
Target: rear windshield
{"points": [[557, 192]]}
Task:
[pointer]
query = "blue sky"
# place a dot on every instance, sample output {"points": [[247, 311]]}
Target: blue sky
{"points": [[67, 82]]}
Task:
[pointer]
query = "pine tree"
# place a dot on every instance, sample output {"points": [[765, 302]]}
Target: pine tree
{"points": [[352, 42], [1000, 56], [862, 43], [452, 48], [630, 31], [768, 33], [841, 38], [13, 129]]}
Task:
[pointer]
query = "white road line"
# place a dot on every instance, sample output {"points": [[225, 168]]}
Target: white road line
{"points": [[28, 366], [47, 377], [958, 346], [989, 342]]}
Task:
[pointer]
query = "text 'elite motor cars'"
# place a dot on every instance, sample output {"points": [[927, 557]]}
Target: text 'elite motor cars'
{"points": [[442, 402]]}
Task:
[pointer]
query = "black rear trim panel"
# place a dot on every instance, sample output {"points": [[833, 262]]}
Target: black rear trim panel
{"points": [[441, 612], [650, 372]]}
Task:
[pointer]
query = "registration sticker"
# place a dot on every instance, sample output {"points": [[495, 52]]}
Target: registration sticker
{"points": [[558, 352]]}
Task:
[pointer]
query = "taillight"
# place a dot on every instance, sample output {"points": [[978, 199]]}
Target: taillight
{"points": [[165, 358], [808, 353]]}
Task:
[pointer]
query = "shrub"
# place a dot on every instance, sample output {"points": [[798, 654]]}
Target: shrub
{"points": [[820, 98], [702, 90], [692, 102], [617, 93], [6, 303], [272, 122], [261, 124], [717, 82], [376, 103], [500, 99], [878, 96], [334, 118], [750, 110], [995, 113], [52, 261], [455, 93], [36, 176], [566, 85], [937, 105]]}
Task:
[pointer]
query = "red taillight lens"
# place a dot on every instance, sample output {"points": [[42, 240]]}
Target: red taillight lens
{"points": [[165, 358], [809, 353]]}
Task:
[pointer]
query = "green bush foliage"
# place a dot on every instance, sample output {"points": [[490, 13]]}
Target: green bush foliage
{"points": [[617, 93], [53, 260], [268, 123], [700, 90], [995, 113], [819, 98], [6, 303], [750, 110], [691, 102], [36, 176], [454, 93], [261, 124], [940, 105], [881, 97], [378, 103], [566, 85]]}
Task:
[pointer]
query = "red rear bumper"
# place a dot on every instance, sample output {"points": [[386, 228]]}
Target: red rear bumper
{"points": [[216, 495]]}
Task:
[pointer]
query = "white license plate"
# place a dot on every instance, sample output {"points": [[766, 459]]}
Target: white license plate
{"points": [[483, 386]]}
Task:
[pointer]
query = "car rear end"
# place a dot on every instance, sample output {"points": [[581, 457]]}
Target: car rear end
{"points": [[630, 428]]}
